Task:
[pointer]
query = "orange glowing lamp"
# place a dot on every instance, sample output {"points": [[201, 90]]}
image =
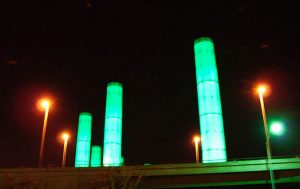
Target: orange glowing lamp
{"points": [[65, 136], [196, 139]]}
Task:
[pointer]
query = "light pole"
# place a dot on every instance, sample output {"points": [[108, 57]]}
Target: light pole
{"points": [[197, 140], [65, 136], [46, 105], [261, 91]]}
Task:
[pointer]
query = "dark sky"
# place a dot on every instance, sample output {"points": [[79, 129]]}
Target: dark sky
{"points": [[70, 50]]}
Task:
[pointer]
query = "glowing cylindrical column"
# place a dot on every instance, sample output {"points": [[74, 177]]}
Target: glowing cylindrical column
{"points": [[96, 156], [112, 146], [209, 102], [83, 145]]}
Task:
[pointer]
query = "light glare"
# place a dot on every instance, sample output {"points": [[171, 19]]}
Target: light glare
{"points": [[196, 139], [43, 104], [277, 128], [261, 89], [65, 136]]}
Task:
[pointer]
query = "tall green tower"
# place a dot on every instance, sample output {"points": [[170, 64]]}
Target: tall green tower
{"points": [[209, 102], [112, 146], [83, 144]]}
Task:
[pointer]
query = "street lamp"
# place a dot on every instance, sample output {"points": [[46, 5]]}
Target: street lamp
{"points": [[45, 104], [261, 90], [197, 140], [65, 136]]}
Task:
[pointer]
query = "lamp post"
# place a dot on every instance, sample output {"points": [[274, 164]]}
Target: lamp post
{"points": [[45, 104], [261, 91], [65, 136], [197, 140]]}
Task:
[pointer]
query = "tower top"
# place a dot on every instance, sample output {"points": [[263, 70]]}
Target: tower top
{"points": [[201, 39], [115, 84], [85, 114]]}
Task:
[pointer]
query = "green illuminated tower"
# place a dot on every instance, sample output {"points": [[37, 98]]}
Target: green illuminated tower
{"points": [[209, 102], [83, 145], [112, 145], [96, 156]]}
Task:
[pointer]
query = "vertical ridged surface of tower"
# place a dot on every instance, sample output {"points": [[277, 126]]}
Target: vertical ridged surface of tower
{"points": [[209, 102], [96, 156], [112, 145], [83, 144]]}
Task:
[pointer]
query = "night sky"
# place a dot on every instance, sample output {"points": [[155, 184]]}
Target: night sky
{"points": [[69, 50]]}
